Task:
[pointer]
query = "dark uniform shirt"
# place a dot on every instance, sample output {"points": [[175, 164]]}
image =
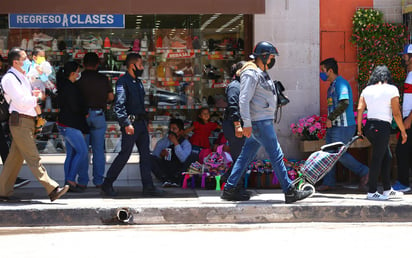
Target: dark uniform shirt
{"points": [[232, 95], [95, 87], [129, 99]]}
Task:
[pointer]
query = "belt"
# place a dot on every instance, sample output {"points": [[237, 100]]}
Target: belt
{"points": [[378, 120], [26, 116]]}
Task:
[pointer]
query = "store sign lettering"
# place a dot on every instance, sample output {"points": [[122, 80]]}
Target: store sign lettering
{"points": [[180, 55], [53, 21]]}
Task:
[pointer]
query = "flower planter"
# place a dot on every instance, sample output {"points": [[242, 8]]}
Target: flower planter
{"points": [[311, 146]]}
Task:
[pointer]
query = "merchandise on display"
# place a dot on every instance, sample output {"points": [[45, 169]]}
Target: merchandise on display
{"points": [[185, 67]]}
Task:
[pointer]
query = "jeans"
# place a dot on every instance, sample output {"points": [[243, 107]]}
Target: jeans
{"points": [[235, 143], [343, 134], [378, 133], [141, 139], [97, 126], [76, 162], [404, 155], [263, 134]]}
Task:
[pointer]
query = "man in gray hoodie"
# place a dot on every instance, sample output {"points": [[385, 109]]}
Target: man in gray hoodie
{"points": [[257, 103]]}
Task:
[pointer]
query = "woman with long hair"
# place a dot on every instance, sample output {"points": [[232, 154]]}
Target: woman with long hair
{"points": [[72, 125], [381, 99]]}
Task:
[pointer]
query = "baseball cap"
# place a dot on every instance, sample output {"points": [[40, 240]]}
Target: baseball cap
{"points": [[407, 49]]}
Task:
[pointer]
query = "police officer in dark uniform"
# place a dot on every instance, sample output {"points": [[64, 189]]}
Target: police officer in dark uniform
{"points": [[131, 114]]}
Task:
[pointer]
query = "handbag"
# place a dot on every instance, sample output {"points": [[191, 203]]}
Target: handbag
{"points": [[282, 100]]}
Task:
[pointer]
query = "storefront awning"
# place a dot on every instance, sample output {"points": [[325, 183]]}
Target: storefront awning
{"points": [[135, 6]]}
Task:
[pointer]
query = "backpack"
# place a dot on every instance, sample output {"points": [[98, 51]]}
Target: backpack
{"points": [[4, 105]]}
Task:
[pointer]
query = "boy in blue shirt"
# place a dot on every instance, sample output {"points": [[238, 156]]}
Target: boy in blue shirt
{"points": [[340, 124]]}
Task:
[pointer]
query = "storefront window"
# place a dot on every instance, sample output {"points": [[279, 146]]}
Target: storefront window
{"points": [[187, 64]]}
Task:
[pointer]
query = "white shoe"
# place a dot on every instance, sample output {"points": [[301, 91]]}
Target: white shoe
{"points": [[392, 194], [54, 45], [376, 197], [41, 37], [44, 47], [23, 44], [30, 45]]}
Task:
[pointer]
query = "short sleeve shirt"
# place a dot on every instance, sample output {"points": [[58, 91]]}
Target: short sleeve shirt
{"points": [[95, 87], [337, 91], [378, 101], [407, 96]]}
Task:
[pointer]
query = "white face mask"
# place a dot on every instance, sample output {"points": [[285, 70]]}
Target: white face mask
{"points": [[79, 76]]}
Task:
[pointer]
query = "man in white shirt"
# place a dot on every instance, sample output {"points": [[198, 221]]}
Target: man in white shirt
{"points": [[23, 104], [404, 151]]}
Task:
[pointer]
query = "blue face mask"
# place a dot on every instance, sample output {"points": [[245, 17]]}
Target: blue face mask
{"points": [[26, 65], [323, 76]]}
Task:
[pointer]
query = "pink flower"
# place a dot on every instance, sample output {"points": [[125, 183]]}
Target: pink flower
{"points": [[312, 129]]}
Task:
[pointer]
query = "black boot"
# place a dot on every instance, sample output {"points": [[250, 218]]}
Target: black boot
{"points": [[242, 191], [293, 195], [235, 194]]}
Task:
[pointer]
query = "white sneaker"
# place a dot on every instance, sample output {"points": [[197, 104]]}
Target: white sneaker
{"points": [[392, 194], [41, 37], [23, 44], [54, 45], [30, 45], [376, 197]]}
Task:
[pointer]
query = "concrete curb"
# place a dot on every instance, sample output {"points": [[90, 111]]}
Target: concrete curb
{"points": [[191, 206]]}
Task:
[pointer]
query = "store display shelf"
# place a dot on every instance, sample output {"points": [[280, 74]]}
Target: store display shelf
{"points": [[171, 53], [194, 78], [48, 110], [187, 107]]}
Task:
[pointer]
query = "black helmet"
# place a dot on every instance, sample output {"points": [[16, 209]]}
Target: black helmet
{"points": [[263, 49]]}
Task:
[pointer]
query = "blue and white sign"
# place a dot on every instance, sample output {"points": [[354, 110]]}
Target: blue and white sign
{"points": [[68, 21]]}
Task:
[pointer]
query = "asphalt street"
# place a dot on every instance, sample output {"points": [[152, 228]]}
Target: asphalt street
{"points": [[219, 240]]}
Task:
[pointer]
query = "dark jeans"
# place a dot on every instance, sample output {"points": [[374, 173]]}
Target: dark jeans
{"points": [[403, 156], [141, 139], [378, 133], [235, 143], [168, 170]]}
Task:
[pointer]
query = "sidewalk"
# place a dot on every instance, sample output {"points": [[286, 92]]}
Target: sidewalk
{"points": [[184, 206]]}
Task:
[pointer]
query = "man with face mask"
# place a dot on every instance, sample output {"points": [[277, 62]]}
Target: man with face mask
{"points": [[97, 92], [132, 117], [4, 146], [257, 105], [340, 123], [23, 103], [404, 151]]}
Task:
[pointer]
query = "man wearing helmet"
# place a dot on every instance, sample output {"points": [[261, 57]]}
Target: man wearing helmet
{"points": [[257, 104]]}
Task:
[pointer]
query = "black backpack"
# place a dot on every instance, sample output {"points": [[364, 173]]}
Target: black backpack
{"points": [[4, 105]]}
